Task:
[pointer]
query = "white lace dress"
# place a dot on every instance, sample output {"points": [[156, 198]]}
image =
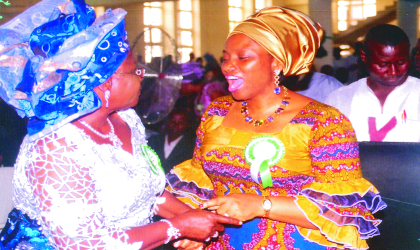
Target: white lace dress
{"points": [[85, 195]]}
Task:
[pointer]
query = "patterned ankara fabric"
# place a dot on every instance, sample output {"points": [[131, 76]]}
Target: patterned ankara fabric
{"points": [[320, 168], [51, 58], [84, 195]]}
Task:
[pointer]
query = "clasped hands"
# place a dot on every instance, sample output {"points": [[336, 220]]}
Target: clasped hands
{"points": [[196, 224], [243, 207]]}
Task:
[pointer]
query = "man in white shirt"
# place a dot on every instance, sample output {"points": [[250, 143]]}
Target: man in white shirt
{"points": [[386, 105]]}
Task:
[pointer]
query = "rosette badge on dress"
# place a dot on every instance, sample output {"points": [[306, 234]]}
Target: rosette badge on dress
{"points": [[36, 75]]}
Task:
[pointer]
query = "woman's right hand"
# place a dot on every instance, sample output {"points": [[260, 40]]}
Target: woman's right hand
{"points": [[200, 225], [186, 244]]}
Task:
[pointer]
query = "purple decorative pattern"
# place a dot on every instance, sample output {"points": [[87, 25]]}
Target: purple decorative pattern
{"points": [[336, 151], [371, 201], [217, 111], [289, 241], [305, 120], [187, 187], [256, 237], [351, 209]]}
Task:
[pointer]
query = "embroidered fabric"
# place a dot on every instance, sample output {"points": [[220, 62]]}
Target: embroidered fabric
{"points": [[320, 169], [85, 195]]}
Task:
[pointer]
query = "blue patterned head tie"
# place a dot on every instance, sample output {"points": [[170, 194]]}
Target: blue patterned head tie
{"points": [[51, 58]]}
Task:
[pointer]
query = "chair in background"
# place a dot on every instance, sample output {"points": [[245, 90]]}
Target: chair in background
{"points": [[394, 168]]}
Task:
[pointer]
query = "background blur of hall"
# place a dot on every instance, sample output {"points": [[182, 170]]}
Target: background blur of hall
{"points": [[178, 27]]}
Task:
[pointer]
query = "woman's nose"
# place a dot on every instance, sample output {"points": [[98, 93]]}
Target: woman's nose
{"points": [[228, 66]]}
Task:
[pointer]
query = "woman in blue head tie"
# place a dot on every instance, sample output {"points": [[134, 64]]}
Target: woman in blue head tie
{"points": [[84, 177]]}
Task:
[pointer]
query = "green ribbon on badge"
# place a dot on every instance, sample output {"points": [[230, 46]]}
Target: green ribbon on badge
{"points": [[261, 153], [152, 158], [154, 163]]}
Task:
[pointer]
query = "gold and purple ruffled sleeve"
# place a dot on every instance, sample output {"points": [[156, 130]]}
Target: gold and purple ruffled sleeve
{"points": [[188, 181], [340, 202]]}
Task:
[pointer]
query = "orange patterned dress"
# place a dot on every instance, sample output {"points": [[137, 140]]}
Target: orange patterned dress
{"points": [[320, 168]]}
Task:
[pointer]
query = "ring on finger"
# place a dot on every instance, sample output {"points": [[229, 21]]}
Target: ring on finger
{"points": [[208, 239], [215, 234]]}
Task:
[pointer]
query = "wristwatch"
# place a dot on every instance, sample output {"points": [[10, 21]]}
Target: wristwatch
{"points": [[266, 205]]}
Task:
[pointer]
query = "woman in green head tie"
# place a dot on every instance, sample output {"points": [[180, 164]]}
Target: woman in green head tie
{"points": [[286, 165]]}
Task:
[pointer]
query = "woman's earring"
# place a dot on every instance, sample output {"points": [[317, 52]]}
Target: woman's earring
{"points": [[277, 89], [107, 95]]}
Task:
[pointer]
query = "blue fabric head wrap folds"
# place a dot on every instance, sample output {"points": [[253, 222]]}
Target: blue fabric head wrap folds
{"points": [[51, 58]]}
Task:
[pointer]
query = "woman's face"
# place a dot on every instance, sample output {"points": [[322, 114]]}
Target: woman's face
{"points": [[248, 68], [126, 83]]}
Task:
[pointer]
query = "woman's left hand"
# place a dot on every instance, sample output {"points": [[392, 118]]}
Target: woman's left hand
{"points": [[186, 244], [239, 206]]}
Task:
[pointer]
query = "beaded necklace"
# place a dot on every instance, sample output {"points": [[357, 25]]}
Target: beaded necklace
{"points": [[111, 135], [279, 110]]}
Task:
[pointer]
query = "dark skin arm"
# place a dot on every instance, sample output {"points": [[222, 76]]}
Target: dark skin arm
{"points": [[171, 208], [194, 224]]}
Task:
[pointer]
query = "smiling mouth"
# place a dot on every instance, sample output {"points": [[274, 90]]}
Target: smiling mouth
{"points": [[234, 82]]}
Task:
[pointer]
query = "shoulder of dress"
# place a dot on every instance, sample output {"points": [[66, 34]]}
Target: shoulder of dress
{"points": [[63, 135], [223, 100], [134, 122], [318, 111], [127, 113], [220, 106], [328, 125], [130, 117]]}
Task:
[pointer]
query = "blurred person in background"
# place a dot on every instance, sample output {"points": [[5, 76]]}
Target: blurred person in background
{"points": [[176, 143], [385, 106]]}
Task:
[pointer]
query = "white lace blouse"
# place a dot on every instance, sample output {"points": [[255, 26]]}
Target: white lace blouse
{"points": [[85, 195]]}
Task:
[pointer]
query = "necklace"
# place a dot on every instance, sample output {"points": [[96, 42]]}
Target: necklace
{"points": [[111, 135], [279, 110]]}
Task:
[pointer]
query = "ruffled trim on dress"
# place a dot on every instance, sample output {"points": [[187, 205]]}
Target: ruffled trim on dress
{"points": [[190, 185], [342, 212]]}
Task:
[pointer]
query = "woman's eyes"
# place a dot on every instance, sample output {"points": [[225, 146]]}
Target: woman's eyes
{"points": [[238, 57]]}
